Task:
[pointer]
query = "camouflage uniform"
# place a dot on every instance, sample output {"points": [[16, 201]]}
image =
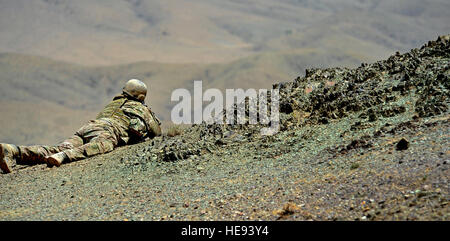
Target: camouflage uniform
{"points": [[123, 121]]}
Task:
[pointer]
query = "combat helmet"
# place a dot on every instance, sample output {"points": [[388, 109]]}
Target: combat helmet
{"points": [[136, 89]]}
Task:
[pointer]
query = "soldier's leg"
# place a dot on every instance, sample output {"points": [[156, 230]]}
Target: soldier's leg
{"points": [[8, 153], [95, 147], [31, 155], [98, 139]]}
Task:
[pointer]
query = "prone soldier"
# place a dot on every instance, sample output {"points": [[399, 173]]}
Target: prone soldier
{"points": [[123, 121]]}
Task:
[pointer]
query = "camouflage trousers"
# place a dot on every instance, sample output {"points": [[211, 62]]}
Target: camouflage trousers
{"points": [[94, 138]]}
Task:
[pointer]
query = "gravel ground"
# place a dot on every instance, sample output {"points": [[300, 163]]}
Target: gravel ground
{"points": [[370, 143], [236, 183]]}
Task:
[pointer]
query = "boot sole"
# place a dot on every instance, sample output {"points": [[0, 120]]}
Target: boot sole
{"points": [[4, 161], [52, 161]]}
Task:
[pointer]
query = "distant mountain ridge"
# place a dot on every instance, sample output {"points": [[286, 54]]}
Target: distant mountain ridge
{"points": [[95, 32]]}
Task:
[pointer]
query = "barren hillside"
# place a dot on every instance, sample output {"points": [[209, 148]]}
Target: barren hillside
{"points": [[366, 143]]}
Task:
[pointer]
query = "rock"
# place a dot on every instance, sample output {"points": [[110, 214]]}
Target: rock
{"points": [[403, 144]]}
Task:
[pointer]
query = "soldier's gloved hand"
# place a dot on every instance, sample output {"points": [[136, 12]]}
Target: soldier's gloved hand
{"points": [[138, 127]]}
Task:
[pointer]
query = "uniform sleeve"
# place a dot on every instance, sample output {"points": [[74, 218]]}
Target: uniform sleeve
{"points": [[143, 123], [155, 124], [138, 127]]}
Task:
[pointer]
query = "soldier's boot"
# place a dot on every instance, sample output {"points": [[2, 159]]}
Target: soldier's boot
{"points": [[32, 155], [8, 154], [56, 159]]}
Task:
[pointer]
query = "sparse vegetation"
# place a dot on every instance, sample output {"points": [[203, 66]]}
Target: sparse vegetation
{"points": [[354, 165]]}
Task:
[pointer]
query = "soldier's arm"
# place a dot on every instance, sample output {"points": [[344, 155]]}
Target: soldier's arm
{"points": [[138, 127], [140, 120], [154, 125], [155, 130], [143, 121]]}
